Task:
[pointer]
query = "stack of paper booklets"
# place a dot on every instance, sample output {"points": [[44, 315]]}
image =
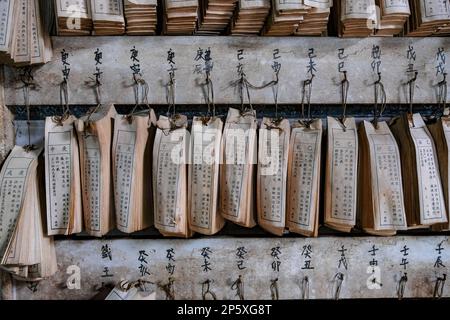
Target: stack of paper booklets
{"points": [[357, 18], [315, 23], [429, 17], [73, 17], [25, 250], [180, 17], [285, 17], [392, 16], [23, 38], [141, 17], [107, 17], [249, 17], [215, 16]]}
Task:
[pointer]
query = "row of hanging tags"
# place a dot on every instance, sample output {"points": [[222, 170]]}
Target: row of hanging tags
{"points": [[136, 151]]}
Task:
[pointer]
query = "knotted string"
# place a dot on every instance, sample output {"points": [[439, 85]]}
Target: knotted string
{"points": [[274, 289], [338, 278], [305, 288], [306, 94], [207, 291], [401, 286], [379, 92], [238, 285], [345, 84], [439, 286]]}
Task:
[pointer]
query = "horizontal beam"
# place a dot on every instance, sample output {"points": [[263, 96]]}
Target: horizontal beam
{"points": [[257, 60], [256, 261]]}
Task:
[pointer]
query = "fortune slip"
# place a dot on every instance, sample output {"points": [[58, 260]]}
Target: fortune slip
{"points": [[341, 175], [304, 178], [203, 183], [131, 167], [440, 130], [62, 177], [238, 158], [271, 187], [25, 251], [95, 139], [424, 197], [170, 158], [380, 189]]}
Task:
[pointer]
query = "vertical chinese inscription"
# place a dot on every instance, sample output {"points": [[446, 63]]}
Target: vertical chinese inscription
{"points": [[343, 168], [92, 178], [59, 171], [124, 167], [272, 179], [387, 177], [303, 171], [202, 170], [167, 180]]}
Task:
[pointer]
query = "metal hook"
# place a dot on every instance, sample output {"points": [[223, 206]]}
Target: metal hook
{"points": [[238, 285], [274, 289], [401, 286], [305, 288], [345, 84], [206, 290], [439, 286], [338, 279]]}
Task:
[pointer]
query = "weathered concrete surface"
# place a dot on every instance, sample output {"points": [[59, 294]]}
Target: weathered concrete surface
{"points": [[257, 60], [189, 273]]}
